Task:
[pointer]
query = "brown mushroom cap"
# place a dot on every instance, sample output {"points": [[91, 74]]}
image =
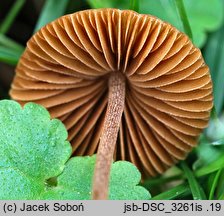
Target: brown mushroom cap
{"points": [[168, 96]]}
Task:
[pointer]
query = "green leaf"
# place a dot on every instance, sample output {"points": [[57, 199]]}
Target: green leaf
{"points": [[123, 181], [203, 15], [75, 181], [196, 189], [34, 160], [33, 149], [52, 10]]}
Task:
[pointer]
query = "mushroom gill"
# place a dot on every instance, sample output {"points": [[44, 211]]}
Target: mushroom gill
{"points": [[68, 64]]}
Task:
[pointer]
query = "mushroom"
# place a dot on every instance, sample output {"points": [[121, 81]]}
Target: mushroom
{"points": [[116, 76]]}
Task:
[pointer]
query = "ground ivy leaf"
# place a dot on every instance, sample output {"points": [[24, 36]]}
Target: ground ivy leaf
{"points": [[124, 182], [75, 181], [33, 149], [34, 160], [15, 185]]}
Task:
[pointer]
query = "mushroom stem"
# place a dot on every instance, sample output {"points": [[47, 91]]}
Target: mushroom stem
{"points": [[116, 99]]}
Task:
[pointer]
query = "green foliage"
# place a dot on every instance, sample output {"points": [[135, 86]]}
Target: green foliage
{"points": [[177, 192], [52, 10], [109, 4], [13, 12], [125, 187], [220, 187], [215, 165], [214, 184], [215, 131], [207, 153], [214, 55], [210, 163], [9, 56], [184, 18], [196, 189], [76, 179], [134, 5], [204, 180], [32, 167], [34, 160], [33, 149], [10, 51], [203, 15]]}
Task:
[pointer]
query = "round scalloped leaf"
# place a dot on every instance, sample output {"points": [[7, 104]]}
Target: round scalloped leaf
{"points": [[33, 149], [75, 181], [33, 157]]}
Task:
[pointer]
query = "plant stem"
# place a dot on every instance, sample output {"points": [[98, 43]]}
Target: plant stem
{"points": [[108, 139]]}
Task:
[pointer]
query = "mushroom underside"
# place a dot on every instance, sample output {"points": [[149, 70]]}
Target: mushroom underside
{"points": [[69, 65]]}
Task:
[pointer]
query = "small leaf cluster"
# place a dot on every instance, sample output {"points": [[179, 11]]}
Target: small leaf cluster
{"points": [[35, 160]]}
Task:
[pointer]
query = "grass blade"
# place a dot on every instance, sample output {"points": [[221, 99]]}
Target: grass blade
{"points": [[210, 168], [220, 186], [214, 55], [184, 18], [196, 189], [161, 180], [179, 191], [134, 5], [221, 197], [7, 42], [9, 56], [52, 10], [214, 184], [10, 17]]}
